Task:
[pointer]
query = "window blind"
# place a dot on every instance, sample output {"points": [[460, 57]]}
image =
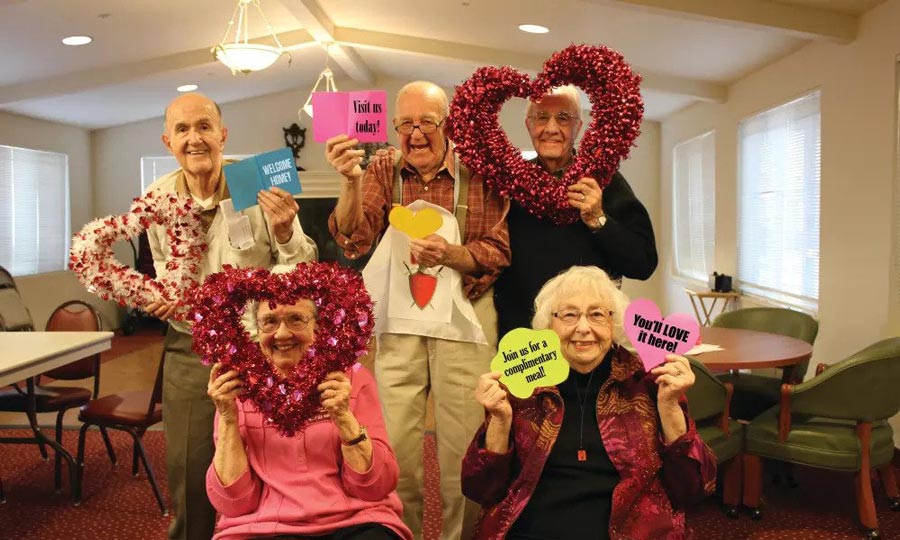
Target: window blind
{"points": [[778, 205], [34, 211], [694, 206]]}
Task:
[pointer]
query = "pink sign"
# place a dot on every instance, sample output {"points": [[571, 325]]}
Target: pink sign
{"points": [[361, 115], [654, 336]]}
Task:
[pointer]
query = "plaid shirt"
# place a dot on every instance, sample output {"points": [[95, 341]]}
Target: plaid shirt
{"points": [[487, 237]]}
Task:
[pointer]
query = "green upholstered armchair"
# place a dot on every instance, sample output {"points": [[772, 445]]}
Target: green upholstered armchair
{"points": [[753, 393], [709, 401], [836, 420]]}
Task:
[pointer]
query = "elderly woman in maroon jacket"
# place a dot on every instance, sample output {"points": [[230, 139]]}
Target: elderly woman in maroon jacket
{"points": [[609, 453]]}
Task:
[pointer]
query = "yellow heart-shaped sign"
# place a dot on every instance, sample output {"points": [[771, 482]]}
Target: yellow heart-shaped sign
{"points": [[416, 225]]}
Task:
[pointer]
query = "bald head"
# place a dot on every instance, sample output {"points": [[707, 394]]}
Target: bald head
{"points": [[193, 99], [428, 90], [194, 134]]}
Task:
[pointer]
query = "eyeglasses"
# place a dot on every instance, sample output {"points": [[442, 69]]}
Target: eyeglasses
{"points": [[425, 126], [563, 118], [570, 317], [294, 321]]}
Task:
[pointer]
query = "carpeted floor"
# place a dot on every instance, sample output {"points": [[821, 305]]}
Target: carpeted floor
{"points": [[117, 506]]}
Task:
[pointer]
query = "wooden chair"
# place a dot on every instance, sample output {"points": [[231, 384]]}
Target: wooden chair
{"points": [[837, 420], [754, 393], [132, 412], [709, 401], [71, 316]]}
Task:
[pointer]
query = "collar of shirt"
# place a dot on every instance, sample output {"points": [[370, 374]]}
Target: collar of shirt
{"points": [[181, 187], [558, 173], [449, 166]]}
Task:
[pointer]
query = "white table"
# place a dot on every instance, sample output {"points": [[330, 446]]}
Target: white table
{"points": [[26, 354]]}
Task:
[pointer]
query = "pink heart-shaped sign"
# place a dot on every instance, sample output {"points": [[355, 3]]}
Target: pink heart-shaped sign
{"points": [[654, 336], [616, 112]]}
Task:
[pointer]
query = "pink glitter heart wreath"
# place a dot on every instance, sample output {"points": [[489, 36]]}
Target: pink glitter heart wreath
{"points": [[343, 327], [616, 112], [93, 261]]}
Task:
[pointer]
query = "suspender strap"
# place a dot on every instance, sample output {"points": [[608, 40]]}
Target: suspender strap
{"points": [[460, 193], [462, 205]]}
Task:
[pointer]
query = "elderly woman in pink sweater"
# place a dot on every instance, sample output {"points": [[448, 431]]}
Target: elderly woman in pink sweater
{"points": [[335, 480]]}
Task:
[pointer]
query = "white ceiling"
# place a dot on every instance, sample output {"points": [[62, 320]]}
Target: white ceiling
{"points": [[686, 50]]}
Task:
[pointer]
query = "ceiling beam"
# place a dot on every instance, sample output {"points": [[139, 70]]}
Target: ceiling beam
{"points": [[88, 79], [794, 20], [319, 25], [476, 55]]}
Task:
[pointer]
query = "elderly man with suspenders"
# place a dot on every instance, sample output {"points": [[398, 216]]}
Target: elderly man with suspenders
{"points": [[435, 318]]}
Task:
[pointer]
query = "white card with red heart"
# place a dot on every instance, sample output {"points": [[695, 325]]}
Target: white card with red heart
{"points": [[654, 336]]}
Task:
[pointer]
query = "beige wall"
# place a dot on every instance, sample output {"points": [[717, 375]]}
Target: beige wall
{"points": [[858, 176], [42, 293]]}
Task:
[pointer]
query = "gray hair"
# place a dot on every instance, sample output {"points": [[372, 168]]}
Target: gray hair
{"points": [[578, 281], [569, 91]]}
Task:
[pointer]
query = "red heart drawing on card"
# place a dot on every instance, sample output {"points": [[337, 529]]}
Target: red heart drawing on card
{"points": [[93, 261], [616, 112], [653, 336], [344, 324]]}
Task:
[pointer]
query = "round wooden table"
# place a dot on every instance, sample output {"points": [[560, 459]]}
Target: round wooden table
{"points": [[746, 349]]}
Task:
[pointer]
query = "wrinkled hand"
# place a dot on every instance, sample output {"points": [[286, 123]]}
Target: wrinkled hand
{"points": [[223, 390], [491, 395], [586, 196], [429, 251], [334, 395], [674, 377], [161, 310], [341, 153], [281, 210]]}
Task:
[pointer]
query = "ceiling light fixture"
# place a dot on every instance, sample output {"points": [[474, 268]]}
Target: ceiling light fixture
{"points": [[187, 88], [326, 74], [533, 28], [241, 55], [75, 41]]}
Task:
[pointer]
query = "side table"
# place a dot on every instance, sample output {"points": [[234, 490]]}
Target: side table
{"points": [[708, 309]]}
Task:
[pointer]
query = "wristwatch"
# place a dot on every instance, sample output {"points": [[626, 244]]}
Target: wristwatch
{"points": [[363, 435], [601, 221]]}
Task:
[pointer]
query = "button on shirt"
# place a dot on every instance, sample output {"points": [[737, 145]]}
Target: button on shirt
{"points": [[487, 237]]}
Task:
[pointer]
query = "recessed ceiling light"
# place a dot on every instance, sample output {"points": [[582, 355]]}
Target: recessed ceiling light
{"points": [[187, 88], [77, 40], [533, 28]]}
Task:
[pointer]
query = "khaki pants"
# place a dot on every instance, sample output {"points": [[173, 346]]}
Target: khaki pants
{"points": [[406, 368], [188, 419]]}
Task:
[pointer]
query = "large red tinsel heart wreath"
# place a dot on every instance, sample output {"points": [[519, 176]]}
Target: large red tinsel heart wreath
{"points": [[616, 112], [93, 261], [344, 325]]}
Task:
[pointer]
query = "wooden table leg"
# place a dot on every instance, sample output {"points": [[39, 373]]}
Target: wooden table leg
{"points": [[696, 311]]}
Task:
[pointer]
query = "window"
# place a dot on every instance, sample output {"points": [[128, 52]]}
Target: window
{"points": [[34, 211], [694, 206], [152, 168], [778, 204]]}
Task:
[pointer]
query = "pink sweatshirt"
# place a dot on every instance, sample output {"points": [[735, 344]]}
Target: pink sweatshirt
{"points": [[299, 486]]}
